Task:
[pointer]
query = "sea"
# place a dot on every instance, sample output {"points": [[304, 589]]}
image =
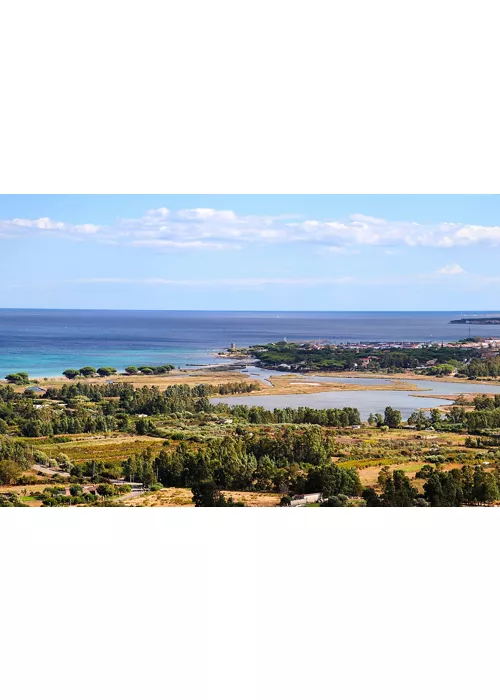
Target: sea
{"points": [[46, 342]]}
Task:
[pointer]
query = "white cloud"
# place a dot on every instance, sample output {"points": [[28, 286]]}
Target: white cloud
{"points": [[159, 243], [222, 282], [163, 229], [453, 269], [256, 282], [337, 250]]}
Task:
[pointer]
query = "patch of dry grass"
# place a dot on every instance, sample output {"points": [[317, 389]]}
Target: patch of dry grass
{"points": [[177, 497], [189, 377], [284, 384]]}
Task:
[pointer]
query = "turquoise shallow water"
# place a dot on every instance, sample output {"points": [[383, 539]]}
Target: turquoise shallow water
{"points": [[53, 364], [46, 342]]}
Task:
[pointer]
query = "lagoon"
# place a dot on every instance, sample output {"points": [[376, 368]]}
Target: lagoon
{"points": [[367, 401]]}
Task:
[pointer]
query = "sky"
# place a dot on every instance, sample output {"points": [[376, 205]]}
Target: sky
{"points": [[250, 252]]}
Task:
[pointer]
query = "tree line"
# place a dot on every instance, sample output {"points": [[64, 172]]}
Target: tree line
{"points": [[468, 485], [331, 417], [109, 371], [290, 461], [90, 408]]}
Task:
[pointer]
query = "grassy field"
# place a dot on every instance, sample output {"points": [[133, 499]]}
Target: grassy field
{"points": [[175, 497]]}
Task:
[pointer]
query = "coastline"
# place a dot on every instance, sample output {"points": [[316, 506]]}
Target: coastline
{"points": [[280, 384]]}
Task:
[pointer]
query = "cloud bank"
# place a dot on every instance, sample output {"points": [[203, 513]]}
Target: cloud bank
{"points": [[445, 276], [198, 229]]}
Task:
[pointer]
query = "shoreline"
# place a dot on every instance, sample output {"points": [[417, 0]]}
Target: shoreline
{"points": [[213, 371], [279, 384], [222, 370]]}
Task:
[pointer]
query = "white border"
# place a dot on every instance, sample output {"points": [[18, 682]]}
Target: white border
{"points": [[261, 97]]}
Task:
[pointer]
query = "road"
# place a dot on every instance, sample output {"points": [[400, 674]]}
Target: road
{"points": [[132, 494], [49, 471]]}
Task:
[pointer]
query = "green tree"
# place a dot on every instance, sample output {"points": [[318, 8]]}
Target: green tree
{"points": [[71, 373], [131, 369], [145, 426], [87, 371], [206, 494], [106, 490], [10, 471], [392, 417], [398, 491], [485, 486], [435, 416], [433, 490], [441, 370], [19, 378], [106, 371], [456, 414], [148, 475], [372, 498], [419, 419]]}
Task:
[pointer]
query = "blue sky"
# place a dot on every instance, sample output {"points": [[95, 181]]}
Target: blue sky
{"points": [[296, 252]]}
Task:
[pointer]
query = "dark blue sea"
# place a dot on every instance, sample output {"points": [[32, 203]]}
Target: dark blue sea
{"points": [[46, 342]]}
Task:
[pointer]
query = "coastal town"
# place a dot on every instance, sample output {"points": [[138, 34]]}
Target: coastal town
{"points": [[477, 343], [452, 358]]}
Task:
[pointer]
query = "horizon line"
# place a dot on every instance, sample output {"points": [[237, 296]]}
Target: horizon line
{"points": [[53, 308]]}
